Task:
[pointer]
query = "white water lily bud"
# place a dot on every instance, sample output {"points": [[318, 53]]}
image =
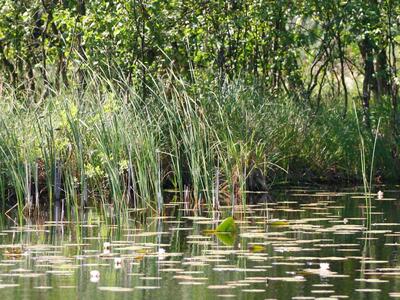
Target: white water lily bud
{"points": [[324, 266], [94, 276], [107, 246], [380, 195], [117, 263], [161, 253]]}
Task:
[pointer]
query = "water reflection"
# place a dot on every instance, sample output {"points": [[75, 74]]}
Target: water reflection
{"points": [[296, 243]]}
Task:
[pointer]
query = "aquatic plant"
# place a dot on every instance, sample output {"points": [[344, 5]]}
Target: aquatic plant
{"points": [[107, 144], [228, 225]]}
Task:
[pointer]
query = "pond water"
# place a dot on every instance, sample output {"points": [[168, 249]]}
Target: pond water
{"points": [[301, 244]]}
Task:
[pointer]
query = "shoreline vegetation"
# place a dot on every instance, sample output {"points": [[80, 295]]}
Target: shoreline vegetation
{"points": [[109, 144], [119, 102]]}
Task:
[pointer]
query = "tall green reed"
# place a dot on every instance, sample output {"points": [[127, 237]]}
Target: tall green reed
{"points": [[109, 144]]}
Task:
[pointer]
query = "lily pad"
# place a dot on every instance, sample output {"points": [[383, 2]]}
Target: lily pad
{"points": [[227, 225], [227, 238], [279, 223]]}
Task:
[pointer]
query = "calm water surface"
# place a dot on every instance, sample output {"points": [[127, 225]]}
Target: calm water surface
{"points": [[321, 247]]}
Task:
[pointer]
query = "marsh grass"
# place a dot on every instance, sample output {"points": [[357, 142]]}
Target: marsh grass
{"points": [[109, 143], [367, 160]]}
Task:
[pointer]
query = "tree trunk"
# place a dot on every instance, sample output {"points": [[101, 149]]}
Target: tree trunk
{"points": [[343, 78], [382, 76], [366, 50]]}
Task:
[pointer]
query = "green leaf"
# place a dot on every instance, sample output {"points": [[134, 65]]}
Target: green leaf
{"points": [[256, 248], [227, 238], [279, 223], [227, 225]]}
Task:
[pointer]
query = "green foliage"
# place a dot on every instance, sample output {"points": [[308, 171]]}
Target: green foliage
{"points": [[228, 225], [130, 94], [227, 238], [280, 42], [114, 146]]}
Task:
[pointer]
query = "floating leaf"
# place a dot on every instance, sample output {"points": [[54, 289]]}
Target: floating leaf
{"points": [[279, 223], [256, 248], [209, 231], [227, 238], [227, 225]]}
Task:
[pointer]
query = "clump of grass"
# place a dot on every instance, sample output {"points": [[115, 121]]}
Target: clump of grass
{"points": [[110, 143]]}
